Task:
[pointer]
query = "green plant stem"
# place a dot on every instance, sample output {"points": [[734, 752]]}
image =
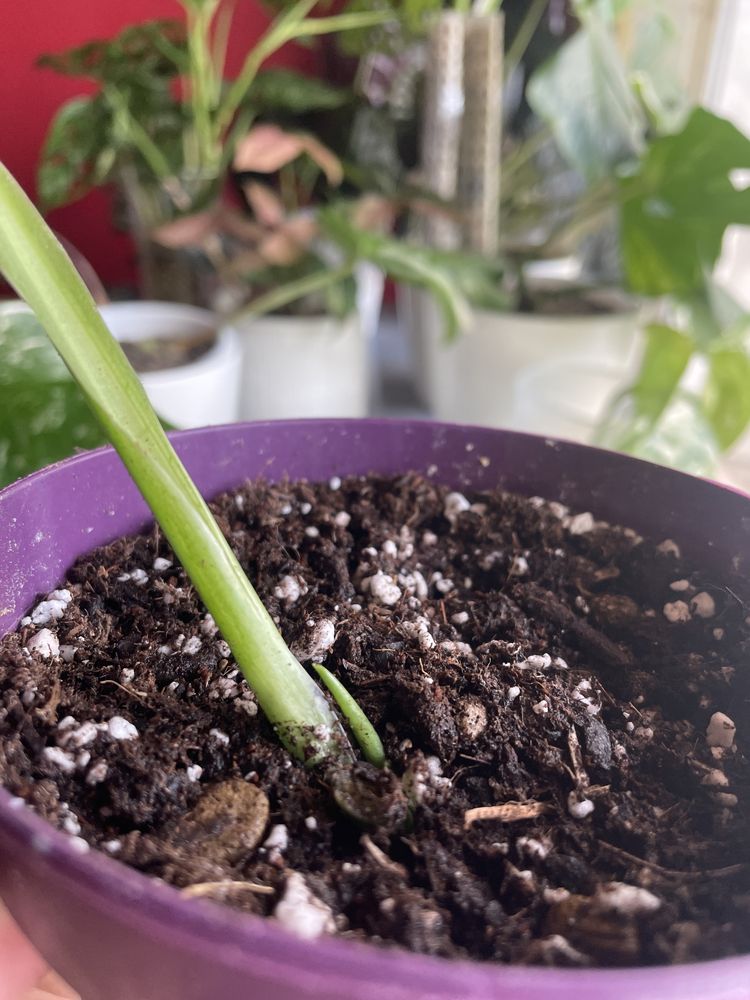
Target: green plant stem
{"points": [[203, 83], [360, 725], [277, 298], [288, 27], [36, 265], [523, 36]]}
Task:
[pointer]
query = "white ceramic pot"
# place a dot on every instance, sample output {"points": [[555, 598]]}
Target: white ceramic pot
{"points": [[302, 366], [474, 379], [202, 392]]}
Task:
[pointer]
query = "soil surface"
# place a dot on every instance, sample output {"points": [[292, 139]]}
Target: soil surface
{"points": [[163, 353], [548, 689]]}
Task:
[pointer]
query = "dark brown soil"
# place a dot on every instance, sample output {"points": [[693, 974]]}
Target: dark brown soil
{"points": [[527, 665], [162, 353]]}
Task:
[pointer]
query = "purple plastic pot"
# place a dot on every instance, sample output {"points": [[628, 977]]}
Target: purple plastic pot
{"points": [[116, 934]]}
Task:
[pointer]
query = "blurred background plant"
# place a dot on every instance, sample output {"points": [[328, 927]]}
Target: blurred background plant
{"points": [[536, 166]]}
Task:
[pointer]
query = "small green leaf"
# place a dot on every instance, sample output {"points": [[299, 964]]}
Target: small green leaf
{"points": [[726, 400], [363, 730], [635, 412], [676, 206], [283, 91]]}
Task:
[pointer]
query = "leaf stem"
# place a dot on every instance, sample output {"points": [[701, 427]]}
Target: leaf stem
{"points": [[36, 265]]}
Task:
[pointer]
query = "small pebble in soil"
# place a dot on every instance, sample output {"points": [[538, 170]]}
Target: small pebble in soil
{"points": [[720, 731]]}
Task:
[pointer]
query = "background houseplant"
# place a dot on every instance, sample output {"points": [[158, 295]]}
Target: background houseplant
{"points": [[627, 172], [140, 442], [164, 122]]}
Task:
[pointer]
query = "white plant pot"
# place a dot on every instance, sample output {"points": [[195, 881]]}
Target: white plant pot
{"points": [[302, 366], [202, 392], [475, 378]]}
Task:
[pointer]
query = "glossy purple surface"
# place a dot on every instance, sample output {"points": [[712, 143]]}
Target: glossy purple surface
{"points": [[117, 935]]}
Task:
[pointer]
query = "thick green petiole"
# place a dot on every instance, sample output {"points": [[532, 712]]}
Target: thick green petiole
{"points": [[364, 731], [36, 265]]}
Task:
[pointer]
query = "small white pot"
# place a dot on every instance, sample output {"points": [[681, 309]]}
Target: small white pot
{"points": [[474, 379], [302, 366], [205, 391]]}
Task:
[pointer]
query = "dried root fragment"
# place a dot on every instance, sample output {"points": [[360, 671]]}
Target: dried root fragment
{"points": [[506, 812]]}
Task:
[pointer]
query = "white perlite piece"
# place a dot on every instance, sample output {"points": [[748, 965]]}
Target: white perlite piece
{"points": [[541, 707], [51, 609], [680, 585], [160, 564], [581, 524], [669, 548], [720, 731], [192, 646], [277, 839], [519, 566], [460, 618], [139, 577], [97, 773], [513, 693], [530, 847], [419, 629], [219, 736], [715, 778], [429, 538], [536, 662], [318, 642], [627, 900], [389, 548], [455, 504], [60, 758], [335, 482], [77, 737], [121, 729], [414, 583], [194, 772], [342, 519], [45, 643], [382, 588], [579, 808], [311, 823], [208, 626], [301, 912], [703, 605], [677, 612]]}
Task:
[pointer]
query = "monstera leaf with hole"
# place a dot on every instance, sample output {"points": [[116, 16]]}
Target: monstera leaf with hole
{"points": [[675, 207]]}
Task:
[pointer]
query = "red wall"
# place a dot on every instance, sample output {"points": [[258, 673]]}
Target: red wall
{"points": [[30, 96]]}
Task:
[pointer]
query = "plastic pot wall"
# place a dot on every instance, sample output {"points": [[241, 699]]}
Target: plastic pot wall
{"points": [[476, 378], [114, 933], [201, 392]]}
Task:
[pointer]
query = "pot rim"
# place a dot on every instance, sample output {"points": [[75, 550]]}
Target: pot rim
{"points": [[225, 350], [209, 925]]}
